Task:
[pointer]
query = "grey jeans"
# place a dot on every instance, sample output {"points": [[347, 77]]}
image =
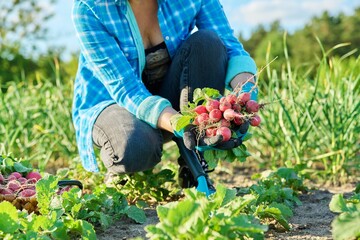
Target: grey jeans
{"points": [[128, 144]]}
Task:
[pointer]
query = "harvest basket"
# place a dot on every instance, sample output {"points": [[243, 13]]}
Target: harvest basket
{"points": [[30, 203], [27, 203]]}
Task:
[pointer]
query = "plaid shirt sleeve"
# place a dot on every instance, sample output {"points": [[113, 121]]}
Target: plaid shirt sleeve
{"points": [[111, 67], [212, 16]]}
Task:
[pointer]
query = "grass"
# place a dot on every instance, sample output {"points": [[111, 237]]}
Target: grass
{"points": [[312, 121], [35, 121]]}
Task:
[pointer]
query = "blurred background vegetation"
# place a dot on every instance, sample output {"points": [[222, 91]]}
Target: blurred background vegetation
{"points": [[313, 87]]}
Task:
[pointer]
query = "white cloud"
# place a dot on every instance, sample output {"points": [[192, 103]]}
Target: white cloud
{"points": [[292, 14]]}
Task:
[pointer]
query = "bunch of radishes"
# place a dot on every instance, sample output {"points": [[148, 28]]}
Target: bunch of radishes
{"points": [[20, 190], [61, 190], [18, 185], [221, 116]]}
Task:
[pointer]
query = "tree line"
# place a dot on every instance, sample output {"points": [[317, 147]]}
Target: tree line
{"points": [[337, 35]]}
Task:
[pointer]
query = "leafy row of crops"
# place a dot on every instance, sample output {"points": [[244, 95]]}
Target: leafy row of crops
{"points": [[229, 213]]}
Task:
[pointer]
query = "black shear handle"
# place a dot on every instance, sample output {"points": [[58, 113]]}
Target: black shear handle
{"points": [[190, 158], [70, 182]]}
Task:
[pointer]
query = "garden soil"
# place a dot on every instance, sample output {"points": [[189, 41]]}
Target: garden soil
{"points": [[311, 220]]}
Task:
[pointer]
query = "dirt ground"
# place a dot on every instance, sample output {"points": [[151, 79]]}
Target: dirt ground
{"points": [[311, 220]]}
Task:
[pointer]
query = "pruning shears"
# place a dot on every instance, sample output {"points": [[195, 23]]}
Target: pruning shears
{"points": [[193, 162]]}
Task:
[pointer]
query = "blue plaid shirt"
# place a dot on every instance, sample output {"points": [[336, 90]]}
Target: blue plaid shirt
{"points": [[112, 58]]}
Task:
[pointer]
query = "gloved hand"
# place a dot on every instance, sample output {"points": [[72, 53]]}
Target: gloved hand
{"points": [[193, 139], [242, 130]]}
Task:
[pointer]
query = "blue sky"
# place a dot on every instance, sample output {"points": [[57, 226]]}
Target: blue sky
{"points": [[244, 15]]}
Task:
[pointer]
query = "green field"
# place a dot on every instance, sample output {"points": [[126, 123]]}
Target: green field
{"points": [[309, 133]]}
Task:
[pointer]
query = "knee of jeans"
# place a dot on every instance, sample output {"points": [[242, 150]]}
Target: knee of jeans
{"points": [[207, 40], [139, 154], [207, 44], [144, 158]]}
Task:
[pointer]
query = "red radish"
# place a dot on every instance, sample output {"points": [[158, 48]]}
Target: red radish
{"points": [[224, 123], [239, 119], [29, 186], [236, 107], [200, 109], [14, 185], [33, 175], [11, 177], [196, 121], [203, 119], [231, 98], [210, 132], [27, 193], [229, 114], [2, 179], [64, 189], [224, 105], [255, 120], [243, 98], [222, 100], [215, 115], [31, 181], [22, 180], [6, 191], [212, 104], [252, 106], [16, 174], [225, 132]]}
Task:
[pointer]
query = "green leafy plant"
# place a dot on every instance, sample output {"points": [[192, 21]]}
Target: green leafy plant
{"points": [[346, 224], [9, 164], [230, 213], [147, 187], [198, 217], [275, 195]]}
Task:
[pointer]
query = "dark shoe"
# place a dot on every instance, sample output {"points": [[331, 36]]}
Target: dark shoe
{"points": [[186, 179]]}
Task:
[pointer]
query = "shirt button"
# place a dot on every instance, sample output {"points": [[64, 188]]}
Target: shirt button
{"points": [[126, 54], [167, 38]]}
